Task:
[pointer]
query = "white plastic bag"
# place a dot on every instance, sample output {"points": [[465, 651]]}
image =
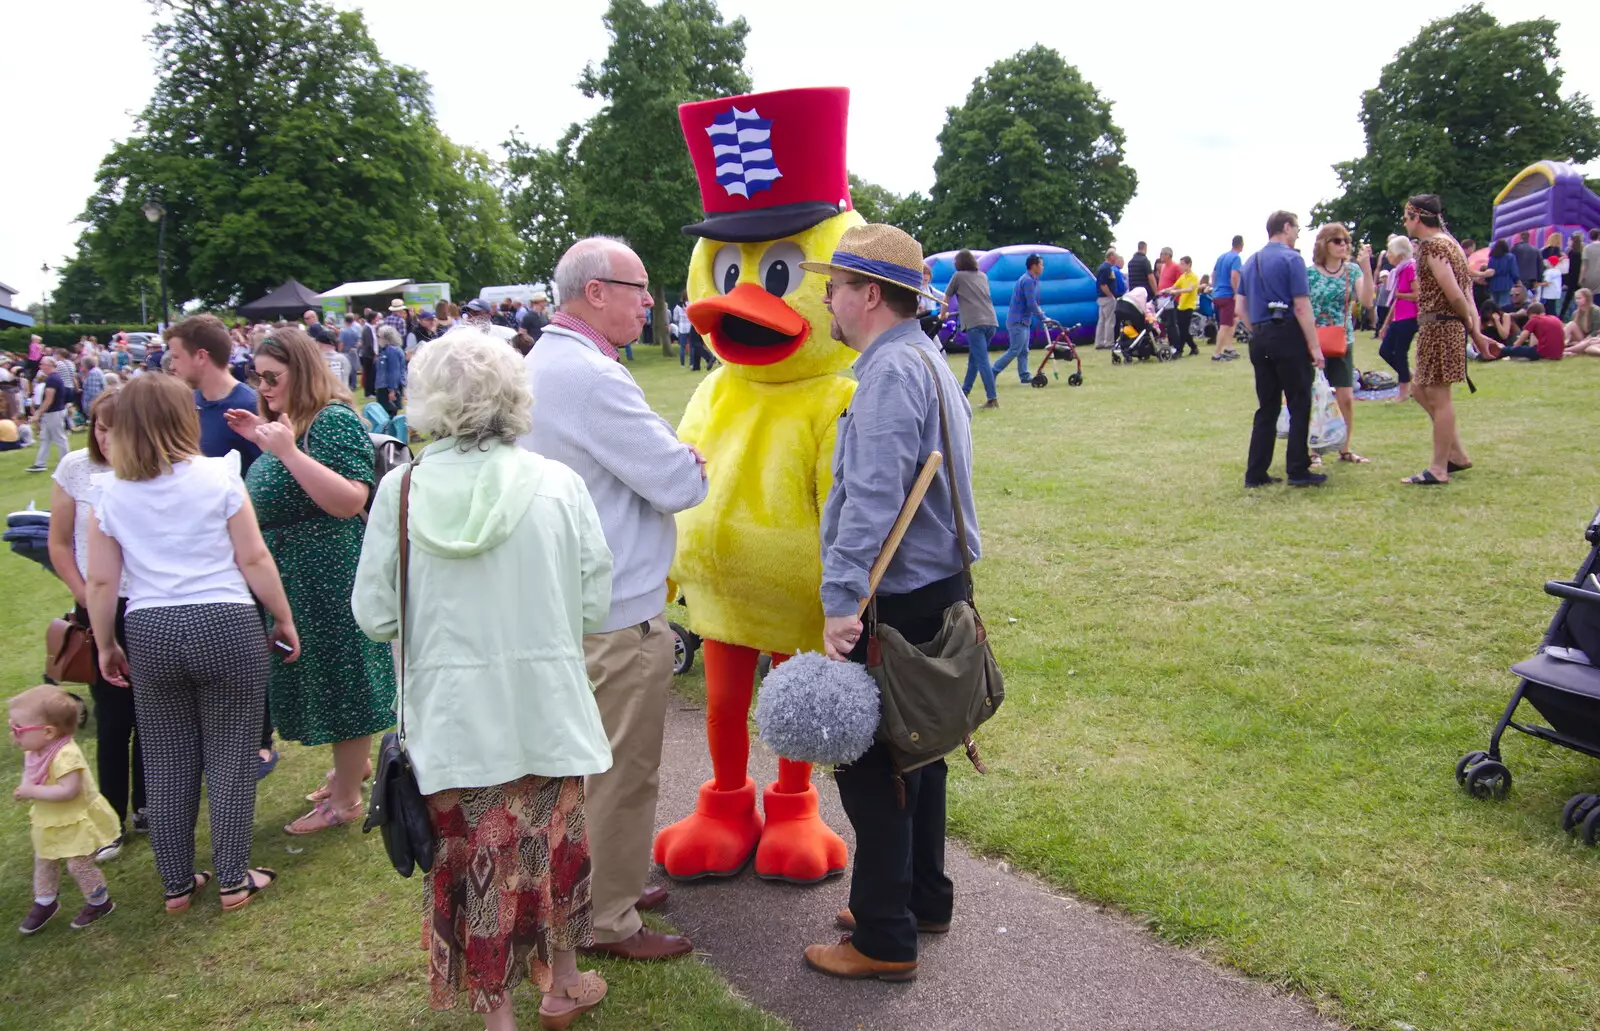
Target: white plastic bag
{"points": [[1328, 429]]}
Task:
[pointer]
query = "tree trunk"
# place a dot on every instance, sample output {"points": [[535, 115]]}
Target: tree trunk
{"points": [[659, 315]]}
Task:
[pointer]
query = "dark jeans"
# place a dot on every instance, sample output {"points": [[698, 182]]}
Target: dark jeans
{"points": [[1525, 351], [1396, 347], [1283, 370], [390, 399], [699, 350], [898, 877], [116, 738]]}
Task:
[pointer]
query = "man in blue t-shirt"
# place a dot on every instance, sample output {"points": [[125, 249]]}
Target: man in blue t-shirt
{"points": [[1225, 277], [1022, 316], [1105, 295], [201, 348], [1274, 300]]}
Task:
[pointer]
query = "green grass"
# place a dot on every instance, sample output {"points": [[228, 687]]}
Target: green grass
{"points": [[333, 945], [1234, 713]]}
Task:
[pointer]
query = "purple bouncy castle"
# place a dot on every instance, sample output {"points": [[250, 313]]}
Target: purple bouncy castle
{"points": [[1545, 197]]}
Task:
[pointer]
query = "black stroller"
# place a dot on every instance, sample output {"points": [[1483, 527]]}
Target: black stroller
{"points": [[1138, 336], [1562, 683]]}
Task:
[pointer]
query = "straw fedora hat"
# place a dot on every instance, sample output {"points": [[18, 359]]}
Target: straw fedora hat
{"points": [[879, 252], [397, 305]]}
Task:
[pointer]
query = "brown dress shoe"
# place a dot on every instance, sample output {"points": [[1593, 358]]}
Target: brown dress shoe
{"points": [[843, 960], [847, 922], [644, 945], [653, 898]]}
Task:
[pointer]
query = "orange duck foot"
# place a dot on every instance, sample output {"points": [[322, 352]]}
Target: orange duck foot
{"points": [[716, 840], [797, 846]]}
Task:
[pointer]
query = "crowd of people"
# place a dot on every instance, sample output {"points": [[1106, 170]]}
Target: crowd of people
{"points": [[244, 574]]}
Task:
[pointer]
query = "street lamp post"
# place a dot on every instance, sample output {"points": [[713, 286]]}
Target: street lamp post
{"points": [[156, 212]]}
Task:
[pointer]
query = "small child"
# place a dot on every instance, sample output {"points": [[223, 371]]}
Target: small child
{"points": [[70, 819]]}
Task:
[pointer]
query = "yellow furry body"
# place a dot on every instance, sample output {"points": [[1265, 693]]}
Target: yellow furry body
{"points": [[749, 556]]}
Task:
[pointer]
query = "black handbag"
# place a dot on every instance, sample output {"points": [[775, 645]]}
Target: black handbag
{"points": [[397, 807]]}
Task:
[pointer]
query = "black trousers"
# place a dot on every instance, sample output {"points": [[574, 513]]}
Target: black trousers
{"points": [[368, 372], [389, 397], [1283, 373], [699, 350], [898, 877], [1178, 331], [117, 738]]}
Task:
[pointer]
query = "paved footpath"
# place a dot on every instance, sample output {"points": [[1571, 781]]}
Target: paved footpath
{"points": [[1017, 958]]}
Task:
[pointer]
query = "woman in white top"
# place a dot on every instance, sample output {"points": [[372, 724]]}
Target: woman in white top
{"points": [[71, 504], [182, 528]]}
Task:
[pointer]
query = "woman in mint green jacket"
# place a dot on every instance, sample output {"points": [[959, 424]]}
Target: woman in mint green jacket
{"points": [[509, 569]]}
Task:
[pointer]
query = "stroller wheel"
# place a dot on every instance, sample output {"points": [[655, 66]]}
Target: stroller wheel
{"points": [[1468, 761], [1577, 810], [1075, 380], [1489, 779], [1590, 831]]}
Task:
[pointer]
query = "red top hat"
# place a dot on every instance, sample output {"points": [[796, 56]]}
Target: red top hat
{"points": [[769, 164]]}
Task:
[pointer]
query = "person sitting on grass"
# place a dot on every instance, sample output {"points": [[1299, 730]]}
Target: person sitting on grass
{"points": [[70, 819], [1584, 324], [1546, 332]]}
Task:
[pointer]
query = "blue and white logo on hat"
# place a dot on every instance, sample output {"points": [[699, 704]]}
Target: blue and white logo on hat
{"points": [[741, 143]]}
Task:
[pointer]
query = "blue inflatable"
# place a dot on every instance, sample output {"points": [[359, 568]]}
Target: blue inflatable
{"points": [[1066, 291]]}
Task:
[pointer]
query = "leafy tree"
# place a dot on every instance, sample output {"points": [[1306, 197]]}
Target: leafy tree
{"points": [[626, 171], [1032, 156], [871, 201], [283, 144], [911, 213], [1463, 107]]}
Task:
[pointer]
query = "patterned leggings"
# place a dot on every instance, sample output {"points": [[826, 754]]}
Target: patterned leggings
{"points": [[47, 878], [199, 675]]}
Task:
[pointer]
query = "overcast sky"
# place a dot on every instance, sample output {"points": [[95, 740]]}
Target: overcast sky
{"points": [[1230, 110]]}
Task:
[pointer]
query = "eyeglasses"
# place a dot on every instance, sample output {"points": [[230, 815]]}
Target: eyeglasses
{"points": [[269, 378], [833, 284], [643, 288]]}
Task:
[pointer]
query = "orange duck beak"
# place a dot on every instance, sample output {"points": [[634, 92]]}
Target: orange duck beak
{"points": [[749, 326]]}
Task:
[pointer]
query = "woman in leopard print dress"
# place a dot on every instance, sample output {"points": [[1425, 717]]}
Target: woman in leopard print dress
{"points": [[1446, 320]]}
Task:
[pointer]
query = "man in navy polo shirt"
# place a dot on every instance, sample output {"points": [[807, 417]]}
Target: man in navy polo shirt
{"points": [[1274, 301], [1105, 285], [201, 350]]}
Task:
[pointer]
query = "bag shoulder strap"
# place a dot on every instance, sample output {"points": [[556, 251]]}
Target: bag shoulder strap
{"points": [[405, 583], [950, 472]]}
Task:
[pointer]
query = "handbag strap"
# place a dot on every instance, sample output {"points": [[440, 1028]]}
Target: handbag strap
{"points": [[405, 582], [950, 473]]}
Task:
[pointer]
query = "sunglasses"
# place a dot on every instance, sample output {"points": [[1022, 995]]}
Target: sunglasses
{"points": [[17, 729], [270, 378], [1340, 241]]}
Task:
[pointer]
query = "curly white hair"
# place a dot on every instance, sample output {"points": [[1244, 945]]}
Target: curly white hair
{"points": [[470, 385]]}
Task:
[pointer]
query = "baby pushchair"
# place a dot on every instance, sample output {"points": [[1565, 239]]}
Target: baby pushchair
{"points": [[1562, 683], [1139, 336], [1058, 345], [28, 533]]}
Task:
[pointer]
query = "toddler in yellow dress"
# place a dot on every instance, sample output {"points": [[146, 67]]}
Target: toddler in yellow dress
{"points": [[70, 818]]}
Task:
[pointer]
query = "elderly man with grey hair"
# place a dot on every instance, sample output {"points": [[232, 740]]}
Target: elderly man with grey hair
{"points": [[51, 416], [590, 415]]}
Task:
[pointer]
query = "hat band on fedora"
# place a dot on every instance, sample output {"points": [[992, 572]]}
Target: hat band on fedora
{"points": [[911, 279]]}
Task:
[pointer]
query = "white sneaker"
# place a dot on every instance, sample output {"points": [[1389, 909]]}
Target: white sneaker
{"points": [[106, 853]]}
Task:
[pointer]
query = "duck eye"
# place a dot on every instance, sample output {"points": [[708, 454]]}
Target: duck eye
{"points": [[780, 268], [725, 268]]}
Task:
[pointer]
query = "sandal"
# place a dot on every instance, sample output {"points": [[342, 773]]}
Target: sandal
{"points": [[1351, 456], [1452, 467], [325, 791], [324, 816], [1425, 479], [249, 889], [586, 995], [180, 902]]}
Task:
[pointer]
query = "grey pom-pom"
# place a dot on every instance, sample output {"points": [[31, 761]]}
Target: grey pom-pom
{"points": [[812, 709]]}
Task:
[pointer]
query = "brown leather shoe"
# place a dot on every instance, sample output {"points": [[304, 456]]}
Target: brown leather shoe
{"points": [[847, 922], [843, 960], [644, 945], [653, 898]]}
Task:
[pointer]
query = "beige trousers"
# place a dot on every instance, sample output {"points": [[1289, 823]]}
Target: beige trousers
{"points": [[631, 670]]}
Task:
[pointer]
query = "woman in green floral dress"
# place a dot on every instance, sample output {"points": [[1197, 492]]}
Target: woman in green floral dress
{"points": [[309, 488]]}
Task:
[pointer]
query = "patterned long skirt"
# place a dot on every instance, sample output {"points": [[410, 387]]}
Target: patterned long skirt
{"points": [[509, 885]]}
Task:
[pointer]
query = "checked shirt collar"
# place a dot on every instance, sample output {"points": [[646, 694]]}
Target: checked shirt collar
{"points": [[587, 331]]}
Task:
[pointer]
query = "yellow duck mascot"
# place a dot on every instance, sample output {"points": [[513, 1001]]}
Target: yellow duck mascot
{"points": [[771, 168]]}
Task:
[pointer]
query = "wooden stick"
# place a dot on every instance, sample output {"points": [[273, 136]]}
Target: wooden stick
{"points": [[898, 531]]}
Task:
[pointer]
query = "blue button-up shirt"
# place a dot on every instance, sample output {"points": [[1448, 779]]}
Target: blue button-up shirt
{"points": [[885, 437], [1025, 303]]}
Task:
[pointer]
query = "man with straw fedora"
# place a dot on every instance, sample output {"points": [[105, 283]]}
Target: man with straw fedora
{"points": [[898, 886]]}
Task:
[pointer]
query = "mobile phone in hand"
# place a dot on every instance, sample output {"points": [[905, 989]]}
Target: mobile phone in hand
{"points": [[283, 646]]}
